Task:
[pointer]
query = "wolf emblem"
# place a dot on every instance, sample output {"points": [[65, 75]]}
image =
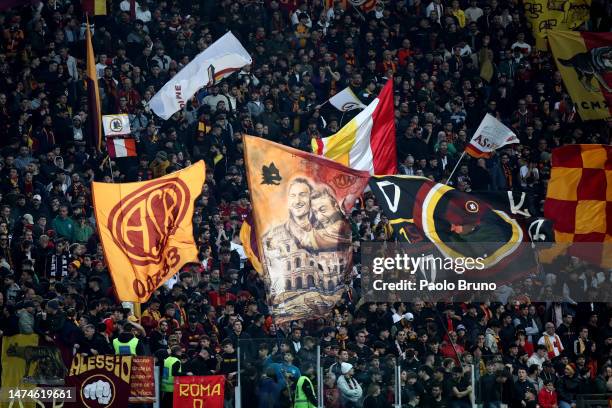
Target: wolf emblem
{"points": [[591, 64], [50, 369]]}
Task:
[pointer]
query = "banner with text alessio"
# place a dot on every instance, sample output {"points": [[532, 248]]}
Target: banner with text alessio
{"points": [[101, 381], [584, 60], [199, 391]]}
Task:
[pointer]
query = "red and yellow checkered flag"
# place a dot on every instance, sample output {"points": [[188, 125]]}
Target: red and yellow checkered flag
{"points": [[579, 197]]}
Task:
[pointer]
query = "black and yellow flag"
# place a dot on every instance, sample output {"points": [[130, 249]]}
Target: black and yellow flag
{"points": [[546, 16], [584, 60]]}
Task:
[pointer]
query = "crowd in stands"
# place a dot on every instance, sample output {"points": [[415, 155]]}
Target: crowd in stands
{"points": [[451, 62]]}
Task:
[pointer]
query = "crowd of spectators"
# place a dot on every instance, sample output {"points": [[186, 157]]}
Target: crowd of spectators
{"points": [[450, 61]]}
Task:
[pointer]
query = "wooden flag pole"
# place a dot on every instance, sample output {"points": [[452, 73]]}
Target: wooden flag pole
{"points": [[137, 310]]}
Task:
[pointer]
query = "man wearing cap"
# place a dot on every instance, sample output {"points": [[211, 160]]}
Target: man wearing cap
{"points": [[37, 209], [350, 389]]}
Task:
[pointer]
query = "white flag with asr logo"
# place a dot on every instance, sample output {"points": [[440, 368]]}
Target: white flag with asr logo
{"points": [[116, 125], [346, 100]]}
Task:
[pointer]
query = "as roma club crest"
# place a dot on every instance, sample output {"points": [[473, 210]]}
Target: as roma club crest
{"points": [[144, 220]]}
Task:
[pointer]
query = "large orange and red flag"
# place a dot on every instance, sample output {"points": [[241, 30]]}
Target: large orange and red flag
{"points": [[300, 202], [146, 229], [579, 200]]}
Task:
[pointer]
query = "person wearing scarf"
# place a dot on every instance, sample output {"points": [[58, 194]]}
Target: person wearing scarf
{"points": [[551, 341], [350, 390]]}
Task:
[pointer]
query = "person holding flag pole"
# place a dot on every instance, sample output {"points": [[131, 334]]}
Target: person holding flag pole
{"points": [[490, 136]]}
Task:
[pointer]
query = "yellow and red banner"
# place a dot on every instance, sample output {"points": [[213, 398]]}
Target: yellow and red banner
{"points": [[546, 16], [299, 206], [146, 229], [579, 197], [199, 391], [584, 60]]}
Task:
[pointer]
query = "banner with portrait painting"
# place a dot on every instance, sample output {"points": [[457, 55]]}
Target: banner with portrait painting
{"points": [[300, 202]]}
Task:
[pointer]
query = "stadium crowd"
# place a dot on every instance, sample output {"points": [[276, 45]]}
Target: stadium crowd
{"points": [[451, 62]]}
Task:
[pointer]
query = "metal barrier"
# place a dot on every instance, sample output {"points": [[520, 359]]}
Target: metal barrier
{"points": [[593, 401]]}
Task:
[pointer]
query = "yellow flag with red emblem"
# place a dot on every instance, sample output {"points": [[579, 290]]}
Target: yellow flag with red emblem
{"points": [[146, 229]]}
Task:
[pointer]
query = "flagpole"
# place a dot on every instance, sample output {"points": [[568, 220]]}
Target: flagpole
{"points": [[110, 166], [455, 168], [321, 105], [341, 118]]}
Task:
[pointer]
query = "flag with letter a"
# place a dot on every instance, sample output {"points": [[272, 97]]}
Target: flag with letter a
{"points": [[490, 136], [146, 229]]}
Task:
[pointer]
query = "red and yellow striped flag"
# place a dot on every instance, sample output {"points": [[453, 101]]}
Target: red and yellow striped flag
{"points": [[584, 62], [93, 93], [579, 198]]}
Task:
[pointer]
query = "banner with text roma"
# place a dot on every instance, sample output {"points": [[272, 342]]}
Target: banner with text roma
{"points": [[199, 391], [146, 229], [585, 62], [299, 206]]}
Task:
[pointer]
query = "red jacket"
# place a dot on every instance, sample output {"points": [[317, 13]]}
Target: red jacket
{"points": [[547, 399]]}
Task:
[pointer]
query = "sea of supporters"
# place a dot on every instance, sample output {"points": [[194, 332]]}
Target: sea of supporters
{"points": [[451, 62]]}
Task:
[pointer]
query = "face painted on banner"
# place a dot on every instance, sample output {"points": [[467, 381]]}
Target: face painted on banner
{"points": [[325, 209], [298, 199]]}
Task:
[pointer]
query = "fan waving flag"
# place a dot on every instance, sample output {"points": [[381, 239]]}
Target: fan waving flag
{"points": [[146, 229], [579, 198], [490, 136], [346, 100], [224, 57], [300, 202], [585, 62], [367, 142]]}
